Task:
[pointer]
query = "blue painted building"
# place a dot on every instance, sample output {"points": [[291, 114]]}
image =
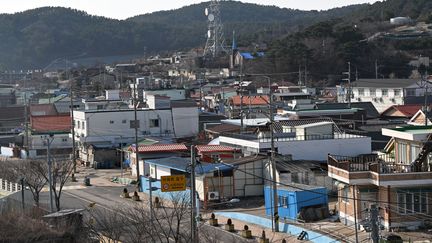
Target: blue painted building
{"points": [[293, 199]]}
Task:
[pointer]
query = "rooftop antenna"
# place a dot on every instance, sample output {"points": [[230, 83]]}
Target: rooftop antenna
{"points": [[215, 44]]}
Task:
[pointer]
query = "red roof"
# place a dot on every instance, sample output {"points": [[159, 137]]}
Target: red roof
{"points": [[214, 148], [160, 148], [51, 123], [406, 110], [251, 100]]}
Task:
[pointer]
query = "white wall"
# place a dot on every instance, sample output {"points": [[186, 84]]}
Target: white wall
{"points": [[319, 149], [174, 94], [58, 141], [185, 121], [6, 151], [159, 171], [107, 126]]}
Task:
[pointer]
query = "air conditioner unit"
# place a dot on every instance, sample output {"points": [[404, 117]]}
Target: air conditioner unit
{"points": [[212, 196]]}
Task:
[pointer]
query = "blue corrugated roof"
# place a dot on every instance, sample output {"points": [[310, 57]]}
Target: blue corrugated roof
{"points": [[182, 164], [247, 55]]}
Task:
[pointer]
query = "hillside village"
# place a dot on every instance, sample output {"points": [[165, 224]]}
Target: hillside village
{"points": [[343, 161]]}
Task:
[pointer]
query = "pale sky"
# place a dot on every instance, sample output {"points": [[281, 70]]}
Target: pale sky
{"points": [[122, 9]]}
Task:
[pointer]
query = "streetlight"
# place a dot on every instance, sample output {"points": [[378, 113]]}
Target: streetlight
{"points": [[49, 140]]}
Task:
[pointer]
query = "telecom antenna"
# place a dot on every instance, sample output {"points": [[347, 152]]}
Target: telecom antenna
{"points": [[215, 44]]}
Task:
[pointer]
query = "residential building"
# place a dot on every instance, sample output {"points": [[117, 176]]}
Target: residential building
{"points": [[109, 128], [307, 139], [216, 153], [403, 112], [421, 118], [384, 93], [153, 151], [250, 105], [55, 129], [397, 181]]}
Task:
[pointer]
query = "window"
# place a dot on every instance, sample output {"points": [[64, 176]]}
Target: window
{"points": [[99, 107], [360, 92], [111, 122], [78, 124], [402, 152], [397, 92], [283, 201], [83, 125], [124, 121], [154, 122], [384, 92], [412, 202], [372, 92], [410, 92], [64, 139]]}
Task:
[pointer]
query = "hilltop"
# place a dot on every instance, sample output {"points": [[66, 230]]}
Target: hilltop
{"points": [[34, 38]]}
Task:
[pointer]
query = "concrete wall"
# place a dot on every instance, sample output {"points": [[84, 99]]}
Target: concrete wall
{"points": [[107, 127], [186, 122], [284, 227], [319, 149], [158, 171]]}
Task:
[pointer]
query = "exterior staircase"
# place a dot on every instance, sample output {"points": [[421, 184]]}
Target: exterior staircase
{"points": [[422, 156]]}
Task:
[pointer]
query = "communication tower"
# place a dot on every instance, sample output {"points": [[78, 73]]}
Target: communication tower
{"points": [[215, 44]]}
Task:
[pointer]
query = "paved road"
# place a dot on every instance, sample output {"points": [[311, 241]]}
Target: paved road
{"points": [[106, 195]]}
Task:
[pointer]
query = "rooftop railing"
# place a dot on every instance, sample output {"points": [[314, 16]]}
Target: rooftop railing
{"points": [[287, 137], [382, 164]]}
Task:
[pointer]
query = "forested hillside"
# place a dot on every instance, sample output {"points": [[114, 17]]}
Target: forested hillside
{"points": [[32, 39]]}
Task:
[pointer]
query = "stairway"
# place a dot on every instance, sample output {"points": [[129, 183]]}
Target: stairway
{"points": [[426, 149]]}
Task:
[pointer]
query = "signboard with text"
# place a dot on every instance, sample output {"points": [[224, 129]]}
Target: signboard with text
{"points": [[173, 183]]}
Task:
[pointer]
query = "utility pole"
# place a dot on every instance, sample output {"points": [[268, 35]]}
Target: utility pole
{"points": [[136, 126], [300, 76], [72, 130], [22, 192], [150, 198], [374, 223], [49, 174], [194, 231], [349, 83], [26, 120], [355, 212], [121, 155], [426, 84], [272, 160], [306, 74], [241, 98], [376, 68]]}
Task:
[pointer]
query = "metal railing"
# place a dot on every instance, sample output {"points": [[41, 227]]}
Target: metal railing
{"points": [[382, 164], [286, 137]]}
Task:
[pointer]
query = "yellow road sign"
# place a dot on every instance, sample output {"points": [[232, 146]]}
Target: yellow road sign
{"points": [[173, 183]]}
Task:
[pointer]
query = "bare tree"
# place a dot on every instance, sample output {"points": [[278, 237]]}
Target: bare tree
{"points": [[134, 223], [61, 170], [15, 170]]}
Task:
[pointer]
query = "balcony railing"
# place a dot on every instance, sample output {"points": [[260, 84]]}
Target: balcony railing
{"points": [[286, 137], [382, 164]]}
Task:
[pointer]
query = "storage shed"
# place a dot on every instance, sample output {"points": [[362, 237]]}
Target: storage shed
{"points": [[298, 201]]}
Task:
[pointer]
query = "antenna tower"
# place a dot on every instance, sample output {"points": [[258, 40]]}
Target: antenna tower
{"points": [[215, 44]]}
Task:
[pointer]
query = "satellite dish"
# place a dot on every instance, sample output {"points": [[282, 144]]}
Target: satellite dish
{"points": [[208, 33], [206, 12], [211, 17]]}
